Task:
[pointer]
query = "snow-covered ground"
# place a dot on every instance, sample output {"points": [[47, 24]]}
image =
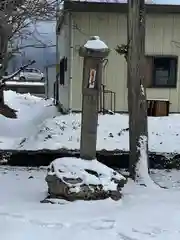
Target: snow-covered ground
{"points": [[64, 132], [39, 126], [31, 111], [143, 213]]}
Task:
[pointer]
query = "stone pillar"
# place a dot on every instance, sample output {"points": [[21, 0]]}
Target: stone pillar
{"points": [[93, 52]]}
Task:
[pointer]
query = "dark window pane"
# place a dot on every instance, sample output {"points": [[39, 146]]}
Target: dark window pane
{"points": [[165, 71], [28, 70], [62, 71]]}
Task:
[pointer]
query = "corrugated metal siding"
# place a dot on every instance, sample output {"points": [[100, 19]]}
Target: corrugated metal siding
{"points": [[160, 32], [111, 27]]}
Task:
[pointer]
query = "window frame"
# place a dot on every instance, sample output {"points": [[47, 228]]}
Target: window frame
{"points": [[153, 84]]}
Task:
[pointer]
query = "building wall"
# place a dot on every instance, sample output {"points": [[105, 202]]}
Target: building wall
{"points": [[50, 79], [63, 51], [161, 30]]}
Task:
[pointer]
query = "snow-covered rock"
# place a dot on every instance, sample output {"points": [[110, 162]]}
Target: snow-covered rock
{"points": [[78, 179]]}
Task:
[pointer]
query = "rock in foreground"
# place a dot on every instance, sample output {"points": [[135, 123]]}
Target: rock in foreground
{"points": [[77, 179]]}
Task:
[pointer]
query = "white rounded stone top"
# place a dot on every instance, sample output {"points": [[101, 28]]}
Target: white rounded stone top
{"points": [[95, 43]]}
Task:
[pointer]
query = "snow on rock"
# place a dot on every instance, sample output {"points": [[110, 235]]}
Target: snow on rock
{"points": [[75, 178], [63, 132], [95, 43]]}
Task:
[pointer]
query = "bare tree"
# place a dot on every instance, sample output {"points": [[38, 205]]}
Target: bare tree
{"points": [[15, 18], [21, 14]]}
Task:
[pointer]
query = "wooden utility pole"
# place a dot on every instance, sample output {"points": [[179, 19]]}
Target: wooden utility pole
{"points": [[137, 105]]}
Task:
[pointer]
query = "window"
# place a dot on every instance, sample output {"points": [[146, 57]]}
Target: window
{"points": [[28, 70], [63, 69], [161, 71], [36, 71]]}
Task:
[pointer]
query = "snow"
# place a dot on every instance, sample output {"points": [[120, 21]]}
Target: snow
{"points": [[112, 1], [158, 99], [95, 43], [63, 132], [142, 90], [31, 111], [141, 214], [38, 126], [73, 168], [142, 165], [18, 83]]}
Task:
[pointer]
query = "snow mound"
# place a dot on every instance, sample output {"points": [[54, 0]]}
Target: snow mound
{"points": [[80, 176], [30, 110], [24, 103]]}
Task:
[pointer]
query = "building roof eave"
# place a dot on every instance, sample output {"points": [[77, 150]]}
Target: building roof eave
{"points": [[82, 6]]}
